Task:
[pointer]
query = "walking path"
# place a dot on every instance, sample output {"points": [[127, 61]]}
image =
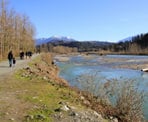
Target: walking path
{"points": [[5, 69], [11, 108]]}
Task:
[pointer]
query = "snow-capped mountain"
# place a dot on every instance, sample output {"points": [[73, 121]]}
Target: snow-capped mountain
{"points": [[126, 39], [54, 39]]}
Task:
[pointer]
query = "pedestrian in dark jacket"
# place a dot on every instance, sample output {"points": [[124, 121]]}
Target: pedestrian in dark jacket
{"points": [[10, 58]]}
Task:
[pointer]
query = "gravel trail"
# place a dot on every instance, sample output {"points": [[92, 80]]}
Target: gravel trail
{"points": [[5, 70]]}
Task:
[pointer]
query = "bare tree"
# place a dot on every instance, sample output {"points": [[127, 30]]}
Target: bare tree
{"points": [[16, 31]]}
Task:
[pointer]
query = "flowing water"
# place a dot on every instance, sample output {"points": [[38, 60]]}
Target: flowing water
{"points": [[107, 69]]}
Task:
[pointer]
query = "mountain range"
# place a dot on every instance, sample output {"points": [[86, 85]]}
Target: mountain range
{"points": [[85, 46], [64, 39], [54, 39]]}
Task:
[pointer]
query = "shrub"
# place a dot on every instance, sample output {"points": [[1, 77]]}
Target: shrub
{"points": [[47, 58], [129, 102], [124, 96]]}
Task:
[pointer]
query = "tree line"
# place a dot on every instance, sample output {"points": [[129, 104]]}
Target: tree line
{"points": [[73, 46], [136, 45], [16, 31]]}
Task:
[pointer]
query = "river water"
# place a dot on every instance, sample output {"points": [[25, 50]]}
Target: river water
{"points": [[107, 68]]}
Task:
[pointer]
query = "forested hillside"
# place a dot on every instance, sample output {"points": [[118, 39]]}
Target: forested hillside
{"points": [[16, 31], [136, 45], [73, 46]]}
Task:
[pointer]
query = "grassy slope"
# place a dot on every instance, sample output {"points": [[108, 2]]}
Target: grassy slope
{"points": [[33, 94], [43, 95]]}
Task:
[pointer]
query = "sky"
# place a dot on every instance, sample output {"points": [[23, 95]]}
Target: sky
{"points": [[83, 20]]}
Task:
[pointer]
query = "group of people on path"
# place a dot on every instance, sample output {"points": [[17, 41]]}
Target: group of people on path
{"points": [[27, 54], [12, 60]]}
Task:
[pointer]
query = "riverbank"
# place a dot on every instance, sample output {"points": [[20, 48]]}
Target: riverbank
{"points": [[36, 93], [81, 70]]}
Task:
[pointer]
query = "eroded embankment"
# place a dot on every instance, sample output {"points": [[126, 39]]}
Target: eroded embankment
{"points": [[64, 103], [38, 94], [127, 99]]}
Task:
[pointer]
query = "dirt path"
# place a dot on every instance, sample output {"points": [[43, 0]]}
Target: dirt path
{"points": [[5, 69], [11, 108]]}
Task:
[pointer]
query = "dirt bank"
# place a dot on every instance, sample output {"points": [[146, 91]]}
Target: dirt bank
{"points": [[32, 91]]}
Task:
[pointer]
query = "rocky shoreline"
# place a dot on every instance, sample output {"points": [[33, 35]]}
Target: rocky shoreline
{"points": [[67, 112], [127, 63]]}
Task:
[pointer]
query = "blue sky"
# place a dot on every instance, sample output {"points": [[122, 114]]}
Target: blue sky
{"points": [[103, 20]]}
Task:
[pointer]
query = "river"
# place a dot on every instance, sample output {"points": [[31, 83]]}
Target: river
{"points": [[109, 67]]}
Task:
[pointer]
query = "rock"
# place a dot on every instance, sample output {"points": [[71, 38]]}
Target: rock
{"points": [[115, 120], [144, 70], [40, 117], [29, 117], [65, 108], [45, 78], [35, 97], [86, 102], [82, 98], [27, 68], [57, 110], [73, 113], [12, 119], [79, 115], [97, 115]]}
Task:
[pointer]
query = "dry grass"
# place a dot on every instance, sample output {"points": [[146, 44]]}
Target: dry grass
{"points": [[119, 99]]}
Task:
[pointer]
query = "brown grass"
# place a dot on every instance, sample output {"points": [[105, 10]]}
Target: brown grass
{"points": [[119, 99]]}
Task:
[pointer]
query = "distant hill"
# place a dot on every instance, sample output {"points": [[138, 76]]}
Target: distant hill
{"points": [[131, 45], [72, 43], [53, 39], [64, 40], [126, 39]]}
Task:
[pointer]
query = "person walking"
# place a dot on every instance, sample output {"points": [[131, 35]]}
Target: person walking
{"points": [[10, 58]]}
